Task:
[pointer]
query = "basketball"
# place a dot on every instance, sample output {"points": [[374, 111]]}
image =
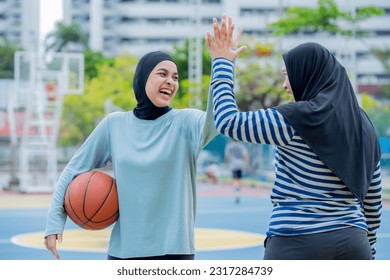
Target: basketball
{"points": [[91, 200]]}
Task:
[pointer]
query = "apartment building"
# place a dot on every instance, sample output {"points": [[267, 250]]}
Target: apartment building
{"points": [[19, 22], [138, 26]]}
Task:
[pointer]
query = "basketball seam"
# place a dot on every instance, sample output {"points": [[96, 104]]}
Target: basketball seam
{"points": [[102, 204], [108, 194], [84, 199], [71, 207]]}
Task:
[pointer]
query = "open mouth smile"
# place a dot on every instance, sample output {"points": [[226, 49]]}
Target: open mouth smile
{"points": [[167, 92]]}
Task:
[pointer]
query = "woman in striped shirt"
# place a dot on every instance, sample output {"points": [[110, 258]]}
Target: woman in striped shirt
{"points": [[327, 192]]}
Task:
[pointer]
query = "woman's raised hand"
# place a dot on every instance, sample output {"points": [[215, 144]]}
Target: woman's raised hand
{"points": [[223, 44]]}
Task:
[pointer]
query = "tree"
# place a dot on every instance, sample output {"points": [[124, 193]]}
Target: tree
{"points": [[82, 112], [259, 76], [7, 52], [259, 86], [327, 17], [180, 54], [383, 55], [184, 97], [379, 113], [92, 61], [64, 36]]}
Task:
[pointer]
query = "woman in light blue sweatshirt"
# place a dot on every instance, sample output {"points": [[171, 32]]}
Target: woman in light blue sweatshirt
{"points": [[153, 150]]}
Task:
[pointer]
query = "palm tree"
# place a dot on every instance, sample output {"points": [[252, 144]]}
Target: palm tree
{"points": [[64, 36]]}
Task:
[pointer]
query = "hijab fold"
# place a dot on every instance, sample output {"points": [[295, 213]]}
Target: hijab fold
{"points": [[145, 109], [327, 116]]}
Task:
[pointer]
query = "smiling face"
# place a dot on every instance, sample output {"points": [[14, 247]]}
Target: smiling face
{"points": [[163, 83], [286, 84]]}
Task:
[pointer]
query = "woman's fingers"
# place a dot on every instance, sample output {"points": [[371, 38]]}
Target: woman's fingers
{"points": [[208, 40], [216, 28], [239, 34], [223, 28], [51, 244], [230, 27], [240, 50]]}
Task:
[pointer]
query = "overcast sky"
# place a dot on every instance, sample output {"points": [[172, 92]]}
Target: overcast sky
{"points": [[51, 11]]}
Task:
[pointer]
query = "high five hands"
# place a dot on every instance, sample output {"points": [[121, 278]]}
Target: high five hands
{"points": [[223, 44]]}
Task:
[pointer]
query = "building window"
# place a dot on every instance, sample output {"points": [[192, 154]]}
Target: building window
{"points": [[153, 41], [211, 1], [207, 21], [255, 12], [381, 33], [127, 40]]}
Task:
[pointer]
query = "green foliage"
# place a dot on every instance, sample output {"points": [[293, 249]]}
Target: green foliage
{"points": [[180, 54], [364, 13], [92, 60], [368, 102], [259, 86], [184, 98], [82, 112], [380, 119], [379, 113], [383, 55], [326, 17], [259, 77], [64, 35], [7, 51]]}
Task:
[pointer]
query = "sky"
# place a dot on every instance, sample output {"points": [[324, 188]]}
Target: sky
{"points": [[51, 11]]}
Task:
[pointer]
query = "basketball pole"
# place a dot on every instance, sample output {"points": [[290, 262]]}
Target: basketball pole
{"points": [[195, 59]]}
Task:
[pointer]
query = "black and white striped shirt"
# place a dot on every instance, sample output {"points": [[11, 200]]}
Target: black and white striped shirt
{"points": [[307, 196]]}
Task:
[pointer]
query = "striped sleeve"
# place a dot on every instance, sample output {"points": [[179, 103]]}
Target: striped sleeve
{"points": [[373, 207], [261, 126]]}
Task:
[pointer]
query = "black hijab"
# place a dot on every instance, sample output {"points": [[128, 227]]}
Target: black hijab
{"points": [[145, 109], [327, 116]]}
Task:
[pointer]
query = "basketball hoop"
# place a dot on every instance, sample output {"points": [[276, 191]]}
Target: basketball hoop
{"points": [[41, 84]]}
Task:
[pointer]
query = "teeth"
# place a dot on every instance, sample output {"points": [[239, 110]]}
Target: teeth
{"points": [[165, 92]]}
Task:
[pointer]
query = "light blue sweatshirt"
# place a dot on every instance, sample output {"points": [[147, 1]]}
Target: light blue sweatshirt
{"points": [[154, 164]]}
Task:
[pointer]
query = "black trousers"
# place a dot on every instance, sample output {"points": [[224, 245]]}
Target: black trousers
{"points": [[345, 244], [164, 257]]}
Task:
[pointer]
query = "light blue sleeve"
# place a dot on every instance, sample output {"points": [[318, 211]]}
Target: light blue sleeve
{"points": [[93, 153], [204, 126], [209, 130]]}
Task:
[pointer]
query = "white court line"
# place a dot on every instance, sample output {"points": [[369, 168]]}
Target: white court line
{"points": [[5, 241]]}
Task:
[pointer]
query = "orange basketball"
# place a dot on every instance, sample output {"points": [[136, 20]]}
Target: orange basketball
{"points": [[91, 200]]}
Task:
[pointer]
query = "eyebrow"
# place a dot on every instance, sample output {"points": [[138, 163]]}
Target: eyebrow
{"points": [[166, 70]]}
